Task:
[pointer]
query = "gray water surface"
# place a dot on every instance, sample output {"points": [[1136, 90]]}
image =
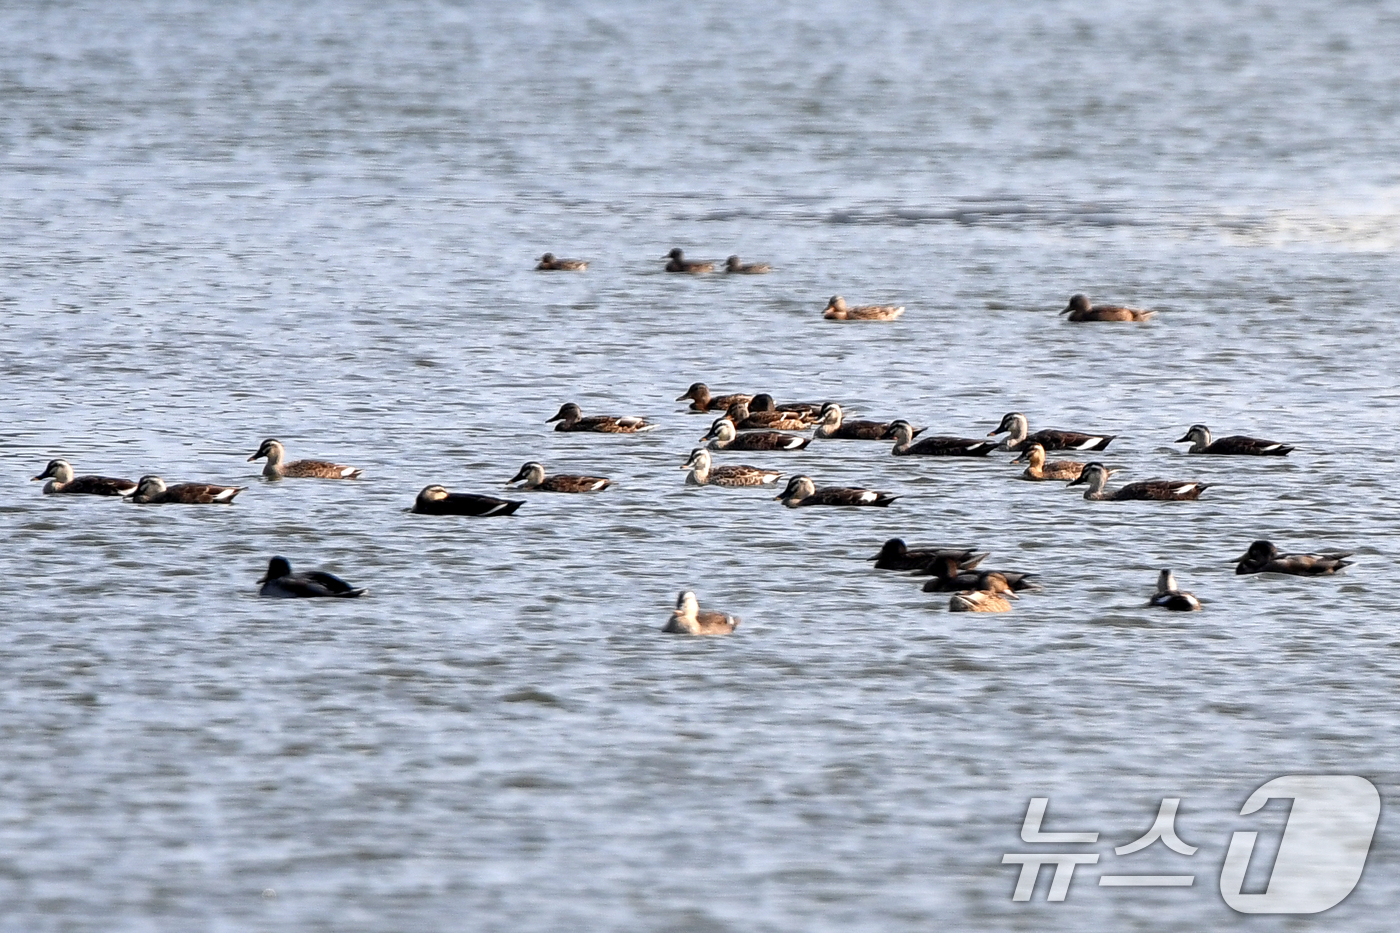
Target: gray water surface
{"points": [[317, 222]]}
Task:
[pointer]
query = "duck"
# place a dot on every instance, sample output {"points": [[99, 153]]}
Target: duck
{"points": [[702, 400], [837, 310], [1169, 597], [903, 434], [991, 594], [733, 266], [802, 491], [320, 469], [1018, 435], [570, 418], [151, 490], [1239, 445], [436, 500], [1034, 454], [746, 420], [679, 263], [764, 402], [281, 582], [1080, 310], [834, 425], [549, 263], [59, 474], [531, 476], [948, 577], [896, 555], [724, 436], [689, 619], [1264, 557], [1095, 475], [703, 474]]}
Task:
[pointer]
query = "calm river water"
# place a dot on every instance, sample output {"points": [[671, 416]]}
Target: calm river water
{"points": [[318, 222]]}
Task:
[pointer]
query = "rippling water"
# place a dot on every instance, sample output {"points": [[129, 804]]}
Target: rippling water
{"points": [[318, 222]]}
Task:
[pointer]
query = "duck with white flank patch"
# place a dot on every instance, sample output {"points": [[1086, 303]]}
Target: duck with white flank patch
{"points": [[532, 476], [702, 473], [151, 490], [551, 263], [802, 491], [896, 555], [746, 420], [678, 263], [724, 436], [436, 500], [1081, 310], [1169, 597], [280, 582], [1264, 557], [1235, 445], [834, 425], [702, 400], [1018, 435], [1095, 476], [317, 469], [689, 619], [903, 434], [837, 310], [991, 594], [61, 481], [1039, 469], [571, 418]]}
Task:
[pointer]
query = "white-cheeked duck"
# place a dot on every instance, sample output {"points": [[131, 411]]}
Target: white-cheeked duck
{"points": [[1198, 435], [275, 468], [1018, 435], [434, 499], [724, 436], [703, 473], [1095, 476], [938, 446], [570, 418], [61, 481], [532, 476], [801, 491], [151, 490]]}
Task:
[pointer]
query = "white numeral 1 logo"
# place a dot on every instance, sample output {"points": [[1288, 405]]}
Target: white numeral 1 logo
{"points": [[1324, 845]]}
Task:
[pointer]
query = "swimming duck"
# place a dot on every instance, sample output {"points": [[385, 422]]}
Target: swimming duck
{"points": [[1034, 454], [151, 490], [1169, 597], [436, 500], [320, 469], [702, 400], [746, 420], [734, 266], [689, 619], [991, 594], [903, 434], [1263, 557], [679, 263], [1080, 310], [549, 263], [809, 410], [1017, 430], [836, 310], [281, 582], [703, 474], [1238, 444], [570, 418], [531, 476], [834, 425], [724, 436], [949, 577], [896, 555], [802, 491], [59, 474], [1095, 476]]}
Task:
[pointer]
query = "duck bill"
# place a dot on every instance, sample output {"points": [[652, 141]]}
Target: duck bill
{"points": [[1241, 559], [1182, 440], [40, 476], [1067, 310], [1024, 458], [1077, 481], [256, 456]]}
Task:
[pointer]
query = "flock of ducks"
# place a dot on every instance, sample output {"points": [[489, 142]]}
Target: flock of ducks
{"points": [[756, 422]]}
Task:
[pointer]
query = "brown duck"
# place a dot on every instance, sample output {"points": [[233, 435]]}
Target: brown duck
{"points": [[949, 577], [733, 266], [1018, 435], [570, 418], [703, 473], [1080, 310], [152, 490], [837, 310], [689, 619], [746, 420], [903, 434], [834, 425], [801, 491], [991, 594], [1235, 445], [1039, 469], [896, 555], [532, 476], [1263, 557], [319, 469], [702, 400], [724, 436], [679, 263], [550, 263], [59, 474], [1095, 476]]}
